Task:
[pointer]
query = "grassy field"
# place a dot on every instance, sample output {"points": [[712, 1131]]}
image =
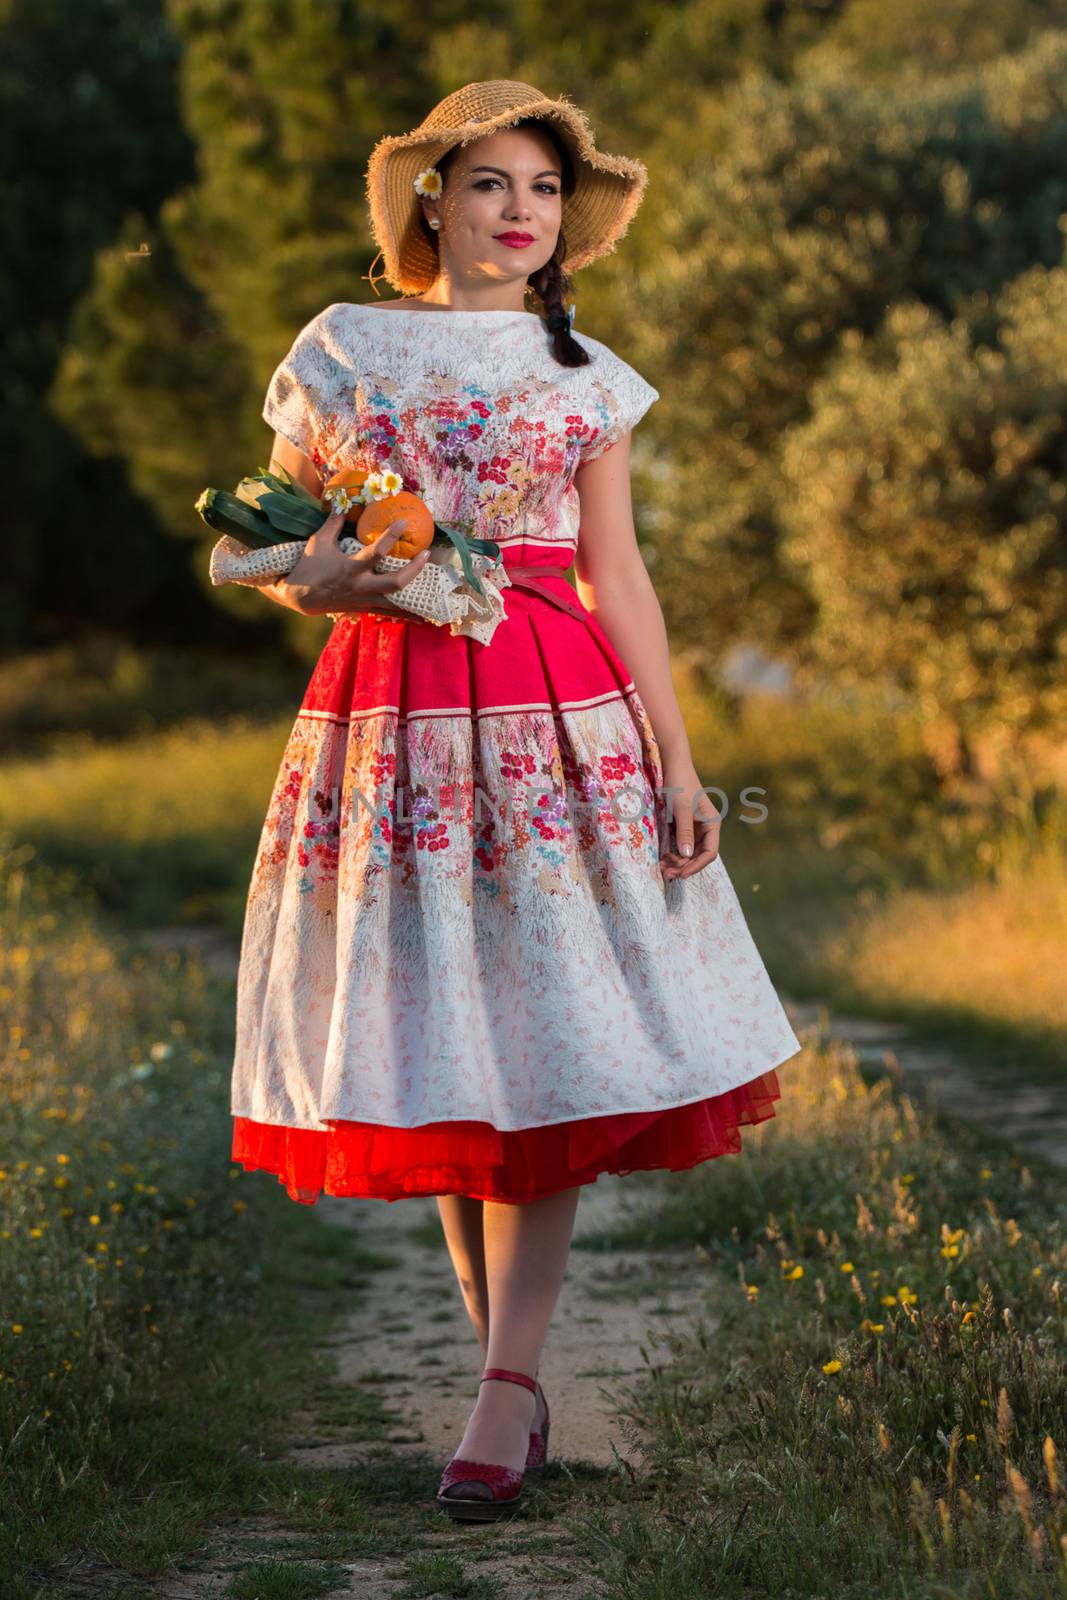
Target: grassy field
{"points": [[872, 887], [149, 1339], [880, 1409], [162, 826], [104, 688]]}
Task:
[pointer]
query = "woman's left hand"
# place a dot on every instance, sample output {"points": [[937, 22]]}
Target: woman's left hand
{"points": [[697, 826]]}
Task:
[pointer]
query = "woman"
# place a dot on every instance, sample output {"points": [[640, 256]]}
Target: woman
{"points": [[482, 959]]}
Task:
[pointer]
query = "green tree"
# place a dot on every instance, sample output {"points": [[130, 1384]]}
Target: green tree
{"points": [[166, 365], [799, 216], [925, 503], [91, 130]]}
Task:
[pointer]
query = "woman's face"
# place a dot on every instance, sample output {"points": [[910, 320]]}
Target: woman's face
{"points": [[508, 183]]}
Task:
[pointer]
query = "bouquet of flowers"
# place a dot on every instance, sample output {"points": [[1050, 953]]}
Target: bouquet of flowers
{"points": [[266, 522]]}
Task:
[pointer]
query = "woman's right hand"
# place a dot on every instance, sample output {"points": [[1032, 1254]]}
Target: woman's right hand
{"points": [[325, 579]]}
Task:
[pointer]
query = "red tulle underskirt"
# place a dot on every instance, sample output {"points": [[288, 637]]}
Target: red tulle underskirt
{"points": [[371, 1161]]}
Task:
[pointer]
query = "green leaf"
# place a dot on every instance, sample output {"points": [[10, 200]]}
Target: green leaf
{"points": [[225, 513]]}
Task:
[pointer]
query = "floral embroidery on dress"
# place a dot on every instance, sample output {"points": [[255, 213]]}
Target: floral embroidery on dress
{"points": [[445, 927], [457, 910], [538, 801], [361, 387]]}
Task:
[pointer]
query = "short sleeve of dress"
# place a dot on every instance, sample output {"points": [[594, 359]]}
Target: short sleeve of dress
{"points": [[622, 397], [300, 386]]}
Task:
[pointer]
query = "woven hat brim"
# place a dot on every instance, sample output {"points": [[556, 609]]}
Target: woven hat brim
{"points": [[608, 189]]}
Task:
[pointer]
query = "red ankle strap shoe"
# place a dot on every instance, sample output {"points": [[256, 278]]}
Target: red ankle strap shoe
{"points": [[504, 1483], [537, 1454], [511, 1377]]}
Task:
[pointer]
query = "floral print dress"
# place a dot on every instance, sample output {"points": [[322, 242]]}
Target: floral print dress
{"points": [[462, 970]]}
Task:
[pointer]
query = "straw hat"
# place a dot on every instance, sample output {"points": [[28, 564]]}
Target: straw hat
{"points": [[607, 192]]}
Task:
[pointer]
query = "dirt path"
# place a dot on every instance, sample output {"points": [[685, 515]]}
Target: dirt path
{"points": [[407, 1362], [411, 1326], [407, 1354], [1032, 1116]]}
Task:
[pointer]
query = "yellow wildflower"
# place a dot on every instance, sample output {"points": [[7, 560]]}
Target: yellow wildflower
{"points": [[831, 1366]]}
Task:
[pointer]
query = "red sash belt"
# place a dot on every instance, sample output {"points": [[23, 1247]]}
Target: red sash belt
{"points": [[539, 580]]}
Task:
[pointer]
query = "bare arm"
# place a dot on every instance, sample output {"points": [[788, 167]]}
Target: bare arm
{"points": [[325, 580], [303, 469], [613, 583]]}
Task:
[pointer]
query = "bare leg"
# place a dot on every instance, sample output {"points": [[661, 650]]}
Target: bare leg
{"points": [[461, 1219], [463, 1226], [525, 1254]]}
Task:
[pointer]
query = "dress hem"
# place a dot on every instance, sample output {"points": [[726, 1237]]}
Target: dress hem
{"points": [[328, 1123], [360, 1160]]}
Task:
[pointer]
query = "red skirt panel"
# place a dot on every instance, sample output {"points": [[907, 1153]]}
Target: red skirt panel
{"points": [[376, 1162]]}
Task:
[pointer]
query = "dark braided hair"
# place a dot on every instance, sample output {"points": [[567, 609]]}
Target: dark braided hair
{"points": [[550, 283]]}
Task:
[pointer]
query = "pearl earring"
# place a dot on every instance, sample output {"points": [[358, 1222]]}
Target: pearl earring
{"points": [[435, 222]]}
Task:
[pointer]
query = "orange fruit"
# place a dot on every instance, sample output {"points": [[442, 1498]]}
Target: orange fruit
{"points": [[348, 478], [380, 513]]}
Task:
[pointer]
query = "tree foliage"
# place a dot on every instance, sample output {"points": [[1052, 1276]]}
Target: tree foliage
{"points": [[851, 247]]}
